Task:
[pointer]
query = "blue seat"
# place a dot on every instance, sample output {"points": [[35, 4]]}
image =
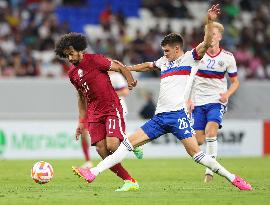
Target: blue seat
{"points": [[89, 14]]}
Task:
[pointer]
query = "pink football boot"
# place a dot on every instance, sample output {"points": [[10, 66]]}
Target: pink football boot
{"points": [[241, 184], [85, 173]]}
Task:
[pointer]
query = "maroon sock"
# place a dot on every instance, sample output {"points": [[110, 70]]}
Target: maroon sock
{"points": [[85, 149], [121, 172]]}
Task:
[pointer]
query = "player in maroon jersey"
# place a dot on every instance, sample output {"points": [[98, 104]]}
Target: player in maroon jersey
{"points": [[97, 99]]}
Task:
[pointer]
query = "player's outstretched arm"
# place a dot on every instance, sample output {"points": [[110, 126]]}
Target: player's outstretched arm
{"points": [[119, 67], [213, 13], [143, 67]]}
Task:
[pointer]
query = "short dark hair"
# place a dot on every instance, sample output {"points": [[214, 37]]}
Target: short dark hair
{"points": [[76, 40], [172, 38]]}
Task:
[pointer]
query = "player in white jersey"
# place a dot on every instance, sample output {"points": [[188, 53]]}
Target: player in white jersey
{"points": [[170, 117], [210, 94], [120, 86]]}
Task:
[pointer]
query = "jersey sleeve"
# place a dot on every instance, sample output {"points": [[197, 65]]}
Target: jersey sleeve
{"points": [[232, 68], [118, 81], [192, 58], [195, 55], [158, 63], [102, 63]]}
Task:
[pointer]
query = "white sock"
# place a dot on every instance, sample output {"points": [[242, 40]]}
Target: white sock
{"points": [[211, 150], [113, 159], [212, 164]]}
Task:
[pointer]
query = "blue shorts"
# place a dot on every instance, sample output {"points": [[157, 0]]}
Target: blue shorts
{"points": [[175, 122], [212, 112]]}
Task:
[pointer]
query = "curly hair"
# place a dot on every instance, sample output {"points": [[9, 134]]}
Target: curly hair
{"points": [[76, 40], [172, 38]]}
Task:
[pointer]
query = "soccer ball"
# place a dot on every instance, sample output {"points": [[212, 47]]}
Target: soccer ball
{"points": [[42, 172]]}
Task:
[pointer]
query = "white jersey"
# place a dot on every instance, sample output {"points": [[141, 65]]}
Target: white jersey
{"points": [[210, 79], [118, 83], [175, 76]]}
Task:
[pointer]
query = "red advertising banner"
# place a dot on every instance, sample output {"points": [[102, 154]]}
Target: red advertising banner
{"points": [[266, 140]]}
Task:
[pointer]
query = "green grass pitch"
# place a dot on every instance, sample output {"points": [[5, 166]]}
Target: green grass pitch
{"points": [[162, 181]]}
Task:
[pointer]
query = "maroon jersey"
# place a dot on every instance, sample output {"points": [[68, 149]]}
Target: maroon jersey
{"points": [[91, 78]]}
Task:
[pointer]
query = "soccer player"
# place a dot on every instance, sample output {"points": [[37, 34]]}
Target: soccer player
{"points": [[176, 69], [121, 87], [97, 100], [209, 94]]}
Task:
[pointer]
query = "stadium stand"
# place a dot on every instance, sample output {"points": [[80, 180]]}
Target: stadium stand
{"points": [[28, 30]]}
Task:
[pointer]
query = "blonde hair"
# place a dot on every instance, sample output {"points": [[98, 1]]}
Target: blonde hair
{"points": [[217, 25]]}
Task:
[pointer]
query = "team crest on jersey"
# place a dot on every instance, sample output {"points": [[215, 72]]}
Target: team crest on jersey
{"points": [[80, 73], [221, 63]]}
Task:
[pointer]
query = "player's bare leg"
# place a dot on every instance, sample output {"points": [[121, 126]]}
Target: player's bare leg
{"points": [[192, 148], [112, 143], [200, 136]]}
